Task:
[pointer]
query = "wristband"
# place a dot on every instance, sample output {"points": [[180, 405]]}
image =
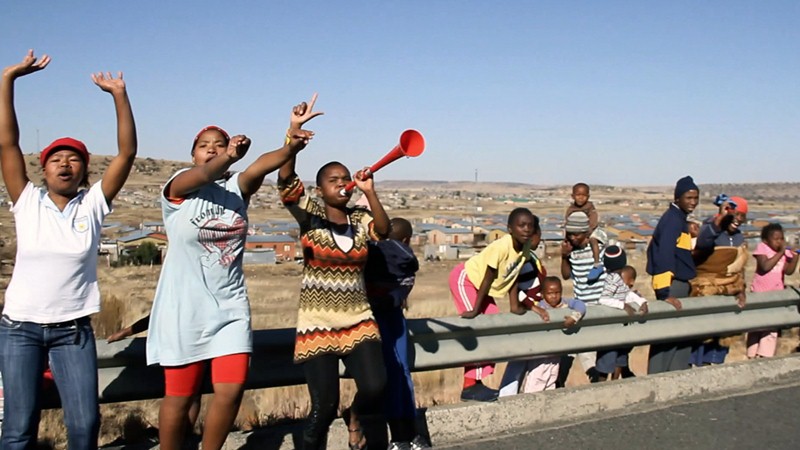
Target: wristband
{"points": [[288, 138]]}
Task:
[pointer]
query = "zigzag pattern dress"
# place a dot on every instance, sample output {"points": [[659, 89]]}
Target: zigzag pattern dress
{"points": [[334, 315]]}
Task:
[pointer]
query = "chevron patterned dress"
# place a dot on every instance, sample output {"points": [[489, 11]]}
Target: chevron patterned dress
{"points": [[334, 315]]}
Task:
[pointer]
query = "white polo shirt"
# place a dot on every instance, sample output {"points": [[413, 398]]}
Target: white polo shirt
{"points": [[55, 274]]}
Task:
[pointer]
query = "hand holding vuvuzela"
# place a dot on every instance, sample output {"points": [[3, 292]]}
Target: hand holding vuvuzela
{"points": [[412, 144]]}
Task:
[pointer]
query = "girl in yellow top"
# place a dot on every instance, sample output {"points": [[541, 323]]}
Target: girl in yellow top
{"points": [[490, 274]]}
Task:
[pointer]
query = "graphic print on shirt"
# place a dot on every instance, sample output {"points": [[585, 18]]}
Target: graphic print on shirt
{"points": [[81, 224], [221, 237], [511, 268]]}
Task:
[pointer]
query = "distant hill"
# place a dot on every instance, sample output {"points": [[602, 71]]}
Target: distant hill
{"points": [[150, 171]]}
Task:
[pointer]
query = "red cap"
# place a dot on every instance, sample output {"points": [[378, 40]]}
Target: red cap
{"points": [[210, 127], [65, 143], [741, 204]]}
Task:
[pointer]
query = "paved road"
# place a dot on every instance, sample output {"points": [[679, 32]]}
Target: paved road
{"points": [[768, 420]]}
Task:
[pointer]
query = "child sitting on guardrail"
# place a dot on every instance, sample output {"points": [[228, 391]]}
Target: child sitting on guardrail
{"points": [[490, 274], [541, 374], [617, 294], [389, 277], [774, 260]]}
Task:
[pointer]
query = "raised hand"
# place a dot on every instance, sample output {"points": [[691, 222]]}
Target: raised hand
{"points": [[302, 113], [237, 147], [108, 83], [297, 138], [566, 247], [363, 179], [29, 64]]}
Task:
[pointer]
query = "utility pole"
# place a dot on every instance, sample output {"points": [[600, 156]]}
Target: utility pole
{"points": [[475, 211]]}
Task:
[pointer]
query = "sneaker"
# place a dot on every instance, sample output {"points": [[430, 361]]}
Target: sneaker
{"points": [[419, 443], [595, 273], [479, 393], [399, 446], [627, 373]]}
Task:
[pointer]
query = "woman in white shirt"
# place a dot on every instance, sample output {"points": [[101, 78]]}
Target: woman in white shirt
{"points": [[53, 289]]}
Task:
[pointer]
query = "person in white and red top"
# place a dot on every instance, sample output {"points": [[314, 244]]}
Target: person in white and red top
{"points": [[53, 289], [773, 262]]}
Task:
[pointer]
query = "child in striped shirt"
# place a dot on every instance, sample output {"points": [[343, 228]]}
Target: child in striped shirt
{"points": [[617, 293]]}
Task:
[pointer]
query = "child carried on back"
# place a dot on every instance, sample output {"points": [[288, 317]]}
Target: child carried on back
{"points": [[580, 202], [389, 276]]}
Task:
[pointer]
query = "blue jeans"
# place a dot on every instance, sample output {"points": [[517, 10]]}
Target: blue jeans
{"points": [[25, 348]]}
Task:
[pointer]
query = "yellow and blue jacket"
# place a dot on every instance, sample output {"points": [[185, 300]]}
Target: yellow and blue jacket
{"points": [[669, 255]]}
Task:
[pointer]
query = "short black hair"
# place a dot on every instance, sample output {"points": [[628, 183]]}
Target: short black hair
{"points": [[321, 171], [631, 270], [581, 185], [551, 279], [401, 229], [524, 211], [770, 228]]}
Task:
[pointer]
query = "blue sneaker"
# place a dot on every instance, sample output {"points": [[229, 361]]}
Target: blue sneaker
{"points": [[595, 273]]}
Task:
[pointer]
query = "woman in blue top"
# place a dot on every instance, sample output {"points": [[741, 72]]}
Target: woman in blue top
{"points": [[201, 313]]}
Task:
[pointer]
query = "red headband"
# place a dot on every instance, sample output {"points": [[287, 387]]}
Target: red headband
{"points": [[210, 127]]}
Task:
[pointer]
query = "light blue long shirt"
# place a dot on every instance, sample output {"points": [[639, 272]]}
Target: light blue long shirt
{"points": [[201, 310]]}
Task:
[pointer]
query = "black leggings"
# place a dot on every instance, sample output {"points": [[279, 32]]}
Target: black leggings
{"points": [[365, 365]]}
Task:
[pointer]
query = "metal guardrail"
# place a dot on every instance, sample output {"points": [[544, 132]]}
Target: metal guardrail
{"points": [[452, 342]]}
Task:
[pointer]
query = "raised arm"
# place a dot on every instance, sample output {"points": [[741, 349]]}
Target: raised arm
{"points": [[11, 159], [296, 136], [120, 167], [380, 220], [198, 176]]}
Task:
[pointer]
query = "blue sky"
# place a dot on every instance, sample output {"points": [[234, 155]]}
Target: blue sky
{"points": [[623, 93]]}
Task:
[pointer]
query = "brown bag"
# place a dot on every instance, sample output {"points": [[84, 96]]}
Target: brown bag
{"points": [[722, 273]]}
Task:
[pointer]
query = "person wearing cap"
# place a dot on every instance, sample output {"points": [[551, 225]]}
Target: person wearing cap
{"points": [[577, 261], [208, 326], [53, 290], [670, 263], [720, 256]]}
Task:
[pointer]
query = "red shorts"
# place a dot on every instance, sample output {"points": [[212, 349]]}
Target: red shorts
{"points": [[184, 381]]}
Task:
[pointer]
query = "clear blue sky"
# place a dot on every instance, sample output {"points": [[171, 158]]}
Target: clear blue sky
{"points": [[550, 92]]}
